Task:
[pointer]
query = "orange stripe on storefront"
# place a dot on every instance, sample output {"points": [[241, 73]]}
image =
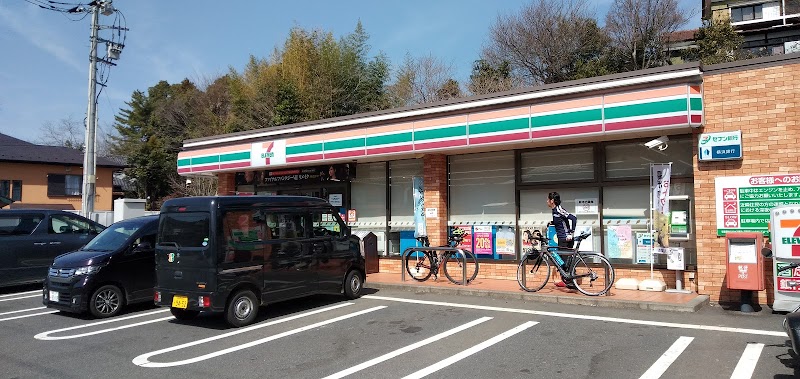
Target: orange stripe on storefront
{"points": [[790, 223]]}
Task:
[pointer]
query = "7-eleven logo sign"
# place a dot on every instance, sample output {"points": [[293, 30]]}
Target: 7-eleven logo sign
{"points": [[792, 241], [268, 153]]}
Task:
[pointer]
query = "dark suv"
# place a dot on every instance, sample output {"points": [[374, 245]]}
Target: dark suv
{"points": [[116, 268], [30, 239]]}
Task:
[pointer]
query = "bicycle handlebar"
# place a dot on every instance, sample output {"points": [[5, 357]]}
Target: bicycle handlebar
{"points": [[537, 235]]}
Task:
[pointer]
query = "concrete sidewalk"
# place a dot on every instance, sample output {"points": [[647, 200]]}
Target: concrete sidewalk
{"points": [[509, 289]]}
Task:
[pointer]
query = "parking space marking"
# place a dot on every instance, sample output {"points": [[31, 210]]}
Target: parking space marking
{"points": [[143, 361], [662, 364], [45, 336], [21, 297], [26, 316], [466, 353], [406, 349], [21, 293], [24, 310], [747, 363], [586, 317]]}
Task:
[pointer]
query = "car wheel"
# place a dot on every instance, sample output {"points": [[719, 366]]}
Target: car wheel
{"points": [[242, 308], [184, 314], [106, 301], [353, 285]]}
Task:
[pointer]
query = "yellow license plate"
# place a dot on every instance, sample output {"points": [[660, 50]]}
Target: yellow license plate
{"points": [[180, 302]]}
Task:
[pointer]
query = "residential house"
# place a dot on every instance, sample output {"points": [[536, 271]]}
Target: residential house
{"points": [[769, 27], [50, 176]]}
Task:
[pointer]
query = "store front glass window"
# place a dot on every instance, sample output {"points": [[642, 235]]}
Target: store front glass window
{"points": [[368, 199], [401, 225], [557, 165], [482, 202], [534, 214], [632, 160]]}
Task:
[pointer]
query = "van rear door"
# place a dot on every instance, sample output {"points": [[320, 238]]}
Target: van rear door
{"points": [[185, 258]]}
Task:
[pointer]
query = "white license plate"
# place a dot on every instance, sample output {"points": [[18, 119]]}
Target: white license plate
{"points": [[54, 296]]}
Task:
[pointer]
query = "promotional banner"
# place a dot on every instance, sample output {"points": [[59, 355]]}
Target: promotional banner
{"points": [[660, 180], [526, 235], [466, 243], [420, 228], [482, 235], [505, 239], [335, 173]]}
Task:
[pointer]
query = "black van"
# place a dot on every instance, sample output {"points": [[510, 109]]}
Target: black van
{"points": [[114, 269], [232, 254]]}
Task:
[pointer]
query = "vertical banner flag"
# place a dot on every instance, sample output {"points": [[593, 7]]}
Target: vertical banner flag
{"points": [[419, 207], [661, 181]]}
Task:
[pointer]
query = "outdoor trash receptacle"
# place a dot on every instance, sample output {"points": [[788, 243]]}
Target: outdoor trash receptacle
{"points": [[369, 250]]}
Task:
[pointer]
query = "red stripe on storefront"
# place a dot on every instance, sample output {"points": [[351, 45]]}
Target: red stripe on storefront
{"points": [[235, 165], [205, 168], [389, 149], [344, 154], [521, 136], [661, 121], [304, 158], [575, 130], [697, 119], [440, 144], [184, 170]]}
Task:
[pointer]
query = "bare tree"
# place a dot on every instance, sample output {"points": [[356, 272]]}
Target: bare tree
{"points": [[424, 80], [640, 30], [67, 132], [487, 78], [546, 41], [193, 186]]}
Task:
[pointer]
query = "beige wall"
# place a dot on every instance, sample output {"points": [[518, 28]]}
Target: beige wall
{"points": [[764, 103], [34, 184]]}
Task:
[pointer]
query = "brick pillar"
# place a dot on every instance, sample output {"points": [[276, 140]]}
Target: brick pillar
{"points": [[226, 184], [435, 186]]}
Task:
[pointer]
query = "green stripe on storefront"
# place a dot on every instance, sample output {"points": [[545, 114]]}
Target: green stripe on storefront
{"points": [[184, 162], [389, 138], [646, 109], [696, 104], [234, 156], [302, 149], [452, 131], [344, 144], [567, 118], [204, 160], [499, 126]]}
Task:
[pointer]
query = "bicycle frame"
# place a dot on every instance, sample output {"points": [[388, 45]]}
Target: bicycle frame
{"points": [[435, 258]]}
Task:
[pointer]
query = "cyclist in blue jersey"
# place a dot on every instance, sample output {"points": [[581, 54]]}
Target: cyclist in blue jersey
{"points": [[565, 224]]}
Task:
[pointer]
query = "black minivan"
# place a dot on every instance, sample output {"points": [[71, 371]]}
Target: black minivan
{"points": [[114, 269], [233, 254]]}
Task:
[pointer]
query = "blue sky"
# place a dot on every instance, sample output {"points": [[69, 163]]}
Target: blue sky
{"points": [[44, 64]]}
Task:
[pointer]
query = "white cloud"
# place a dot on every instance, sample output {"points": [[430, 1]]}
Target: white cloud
{"points": [[35, 30]]}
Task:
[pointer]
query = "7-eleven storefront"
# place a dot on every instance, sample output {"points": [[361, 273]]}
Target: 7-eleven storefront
{"points": [[488, 162]]}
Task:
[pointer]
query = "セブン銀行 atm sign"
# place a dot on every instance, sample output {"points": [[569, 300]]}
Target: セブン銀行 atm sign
{"points": [[785, 222], [744, 202]]}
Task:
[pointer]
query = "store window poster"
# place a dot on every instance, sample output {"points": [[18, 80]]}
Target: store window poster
{"points": [[643, 247], [504, 240], [620, 244], [482, 235], [466, 243]]}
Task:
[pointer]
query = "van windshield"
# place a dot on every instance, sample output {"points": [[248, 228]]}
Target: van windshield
{"points": [[184, 229], [114, 237]]}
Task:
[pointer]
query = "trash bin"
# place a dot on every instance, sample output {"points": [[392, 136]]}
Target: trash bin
{"points": [[368, 242]]}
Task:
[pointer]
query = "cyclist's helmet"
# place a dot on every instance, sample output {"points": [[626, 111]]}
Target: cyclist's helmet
{"points": [[458, 234]]}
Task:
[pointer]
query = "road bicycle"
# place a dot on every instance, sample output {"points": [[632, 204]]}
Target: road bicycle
{"points": [[420, 265], [583, 272]]}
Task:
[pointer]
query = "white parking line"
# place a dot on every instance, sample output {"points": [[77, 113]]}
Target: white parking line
{"points": [[45, 336], [466, 353], [662, 364], [24, 310], [26, 316], [143, 361], [747, 363], [586, 317], [21, 297], [416, 345], [21, 293]]}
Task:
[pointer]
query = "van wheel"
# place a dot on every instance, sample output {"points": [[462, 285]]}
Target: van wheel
{"points": [[353, 285], [242, 309], [106, 301], [184, 314]]}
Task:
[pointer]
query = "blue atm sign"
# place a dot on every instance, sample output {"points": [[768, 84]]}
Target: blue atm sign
{"points": [[720, 146]]}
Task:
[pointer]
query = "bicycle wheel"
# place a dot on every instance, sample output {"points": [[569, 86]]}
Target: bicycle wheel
{"points": [[418, 265], [454, 261], [533, 272], [592, 281]]}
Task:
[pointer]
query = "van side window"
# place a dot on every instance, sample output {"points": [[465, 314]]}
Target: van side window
{"points": [[60, 224], [326, 223], [18, 225], [292, 225], [246, 234]]}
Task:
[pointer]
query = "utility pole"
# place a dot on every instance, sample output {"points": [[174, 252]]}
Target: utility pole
{"points": [[89, 155], [105, 8]]}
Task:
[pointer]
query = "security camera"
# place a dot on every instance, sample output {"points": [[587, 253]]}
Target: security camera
{"points": [[660, 143]]}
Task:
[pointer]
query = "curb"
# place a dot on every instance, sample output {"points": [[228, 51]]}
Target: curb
{"points": [[692, 306]]}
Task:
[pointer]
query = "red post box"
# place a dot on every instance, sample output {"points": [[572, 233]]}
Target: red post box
{"points": [[745, 262]]}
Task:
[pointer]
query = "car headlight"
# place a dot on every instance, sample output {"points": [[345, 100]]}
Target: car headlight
{"points": [[86, 270]]}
